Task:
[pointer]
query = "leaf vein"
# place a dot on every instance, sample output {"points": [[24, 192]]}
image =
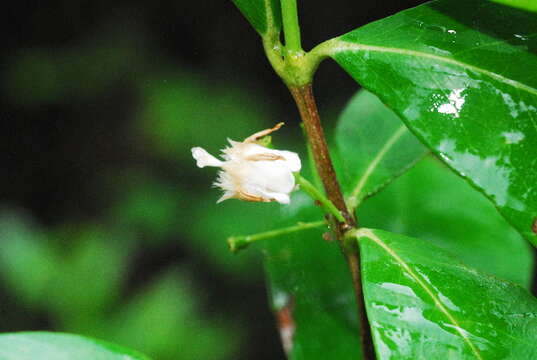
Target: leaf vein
{"points": [[336, 46], [353, 199], [423, 284]]}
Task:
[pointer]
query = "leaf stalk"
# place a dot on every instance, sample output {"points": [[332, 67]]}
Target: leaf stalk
{"points": [[237, 243], [314, 193], [291, 27]]}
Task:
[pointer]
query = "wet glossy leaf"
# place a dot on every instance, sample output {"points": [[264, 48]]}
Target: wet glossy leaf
{"points": [[58, 346], [311, 290], [423, 304], [530, 5], [374, 147], [431, 203], [264, 15], [461, 74]]}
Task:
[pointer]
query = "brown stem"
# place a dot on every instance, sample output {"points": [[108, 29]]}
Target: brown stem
{"points": [[307, 107], [353, 259]]}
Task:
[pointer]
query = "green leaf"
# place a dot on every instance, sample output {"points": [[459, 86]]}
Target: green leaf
{"points": [[374, 147], [311, 290], [58, 346], [530, 5], [462, 75], [432, 203], [423, 304], [263, 15]]}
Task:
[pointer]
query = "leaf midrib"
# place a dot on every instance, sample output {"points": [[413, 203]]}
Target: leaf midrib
{"points": [[335, 46], [368, 233], [353, 201]]}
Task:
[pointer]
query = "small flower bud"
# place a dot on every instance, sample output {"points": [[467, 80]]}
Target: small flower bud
{"points": [[251, 171]]}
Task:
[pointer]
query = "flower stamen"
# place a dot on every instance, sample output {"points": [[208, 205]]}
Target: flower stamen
{"points": [[264, 157], [258, 135]]}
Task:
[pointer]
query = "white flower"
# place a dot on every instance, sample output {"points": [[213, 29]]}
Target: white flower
{"points": [[253, 172]]}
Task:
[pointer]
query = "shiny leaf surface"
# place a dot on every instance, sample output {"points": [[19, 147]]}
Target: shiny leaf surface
{"points": [[424, 304], [311, 290], [263, 15], [58, 346], [374, 147], [431, 203], [462, 74]]}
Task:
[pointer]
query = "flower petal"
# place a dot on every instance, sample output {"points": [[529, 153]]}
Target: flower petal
{"points": [[292, 160], [279, 197], [203, 158], [251, 171], [225, 182], [227, 195], [272, 176]]}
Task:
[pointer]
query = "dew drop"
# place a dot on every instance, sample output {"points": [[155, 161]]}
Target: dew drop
{"points": [[521, 37]]}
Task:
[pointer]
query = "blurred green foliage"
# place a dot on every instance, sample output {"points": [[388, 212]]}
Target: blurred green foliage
{"points": [[151, 207], [78, 280], [79, 274], [164, 319], [24, 247], [44, 75], [183, 110]]}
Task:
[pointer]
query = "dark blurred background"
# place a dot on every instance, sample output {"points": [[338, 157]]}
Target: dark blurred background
{"points": [[107, 228]]}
